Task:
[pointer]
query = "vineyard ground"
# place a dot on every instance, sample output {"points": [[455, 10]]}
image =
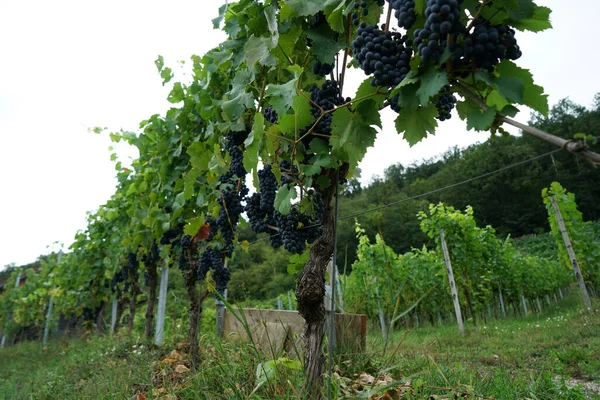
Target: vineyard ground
{"points": [[553, 355]]}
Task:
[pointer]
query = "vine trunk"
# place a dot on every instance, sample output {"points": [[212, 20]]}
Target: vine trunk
{"points": [[310, 292]]}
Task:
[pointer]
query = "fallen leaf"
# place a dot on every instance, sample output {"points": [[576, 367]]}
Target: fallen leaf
{"points": [[182, 369]]}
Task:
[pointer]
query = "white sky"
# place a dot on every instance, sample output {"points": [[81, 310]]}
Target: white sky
{"points": [[66, 66]]}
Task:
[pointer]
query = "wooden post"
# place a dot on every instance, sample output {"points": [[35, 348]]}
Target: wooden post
{"points": [[162, 305], [539, 305], [453, 290], [576, 270], [548, 300], [113, 316], [220, 306], [50, 307], [560, 293], [3, 342], [279, 303], [329, 302], [290, 306], [524, 305], [381, 317], [502, 304]]}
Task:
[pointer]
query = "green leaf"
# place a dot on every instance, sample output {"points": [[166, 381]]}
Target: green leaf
{"points": [[306, 7], [539, 21], [334, 10], [533, 95], [253, 141], [282, 96], [323, 45], [431, 82], [237, 100], [193, 226], [366, 91], [166, 74], [416, 124], [176, 94], [352, 132], [481, 120], [160, 63], [283, 199], [258, 50], [510, 88], [420, 7], [509, 111]]}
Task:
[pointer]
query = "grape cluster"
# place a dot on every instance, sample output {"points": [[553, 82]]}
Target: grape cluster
{"points": [[172, 234], [256, 216], [209, 259], [404, 11], [288, 172], [270, 115], [214, 228], [327, 97], [229, 216], [295, 229], [185, 242], [445, 103], [486, 46], [322, 69], [356, 12], [152, 256], [443, 18], [233, 190], [259, 206], [382, 54], [268, 188]]}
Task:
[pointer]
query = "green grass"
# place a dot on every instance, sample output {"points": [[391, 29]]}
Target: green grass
{"points": [[506, 359]]}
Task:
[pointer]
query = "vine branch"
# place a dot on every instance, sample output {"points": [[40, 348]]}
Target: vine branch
{"points": [[575, 147]]}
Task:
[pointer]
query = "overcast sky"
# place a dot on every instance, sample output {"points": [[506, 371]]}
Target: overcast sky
{"points": [[66, 66]]}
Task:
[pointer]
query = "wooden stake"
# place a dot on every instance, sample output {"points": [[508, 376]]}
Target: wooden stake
{"points": [[453, 290], [576, 270], [162, 305]]}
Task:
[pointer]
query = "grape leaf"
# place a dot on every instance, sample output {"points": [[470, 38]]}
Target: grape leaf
{"points": [[366, 91], [193, 226], [334, 10], [282, 96], [352, 132], [257, 50], [481, 120], [533, 95], [511, 88], [539, 21], [416, 124], [323, 45], [283, 199], [306, 7], [176, 94], [431, 83]]}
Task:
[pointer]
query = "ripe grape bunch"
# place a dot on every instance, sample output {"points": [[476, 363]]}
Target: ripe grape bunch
{"points": [[445, 103], [233, 190], [486, 46], [327, 98], [322, 69], [382, 54], [185, 243], [270, 115], [404, 12], [443, 18]]}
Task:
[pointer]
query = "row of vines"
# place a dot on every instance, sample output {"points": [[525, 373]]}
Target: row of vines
{"points": [[264, 125]]}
